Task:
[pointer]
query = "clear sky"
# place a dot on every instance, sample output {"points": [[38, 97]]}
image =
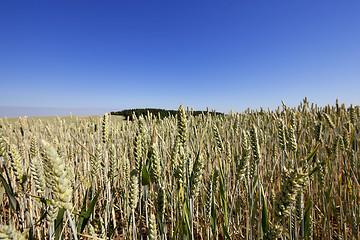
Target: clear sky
{"points": [[231, 54]]}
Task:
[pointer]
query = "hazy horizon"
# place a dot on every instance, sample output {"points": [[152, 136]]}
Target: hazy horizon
{"points": [[13, 112]]}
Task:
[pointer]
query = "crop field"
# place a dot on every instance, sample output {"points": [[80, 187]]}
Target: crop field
{"points": [[291, 173]]}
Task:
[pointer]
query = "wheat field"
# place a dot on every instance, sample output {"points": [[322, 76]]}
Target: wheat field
{"points": [[291, 173]]}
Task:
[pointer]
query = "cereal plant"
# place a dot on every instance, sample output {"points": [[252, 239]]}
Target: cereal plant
{"points": [[291, 173]]}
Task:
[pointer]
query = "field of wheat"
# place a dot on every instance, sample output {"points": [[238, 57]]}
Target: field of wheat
{"points": [[291, 173]]}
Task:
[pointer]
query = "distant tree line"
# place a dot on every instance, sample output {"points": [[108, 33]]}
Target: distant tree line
{"points": [[155, 112]]}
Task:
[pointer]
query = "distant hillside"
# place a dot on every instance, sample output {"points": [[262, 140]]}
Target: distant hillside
{"points": [[162, 113]]}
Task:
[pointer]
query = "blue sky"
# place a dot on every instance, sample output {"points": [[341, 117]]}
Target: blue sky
{"points": [[221, 54]]}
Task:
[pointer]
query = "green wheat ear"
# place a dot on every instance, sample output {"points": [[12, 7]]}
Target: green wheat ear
{"points": [[105, 128], [291, 184], [62, 190], [273, 233], [113, 171], [2, 145], [282, 134], [7, 232], [161, 200], [209, 194], [155, 167], [255, 144], [182, 125], [352, 114], [318, 132], [292, 139], [52, 211], [33, 148], [138, 151], [245, 157], [96, 161], [254, 140], [180, 170], [219, 142], [37, 173], [134, 190], [152, 227], [330, 122], [175, 153], [126, 169], [196, 176], [17, 164]]}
